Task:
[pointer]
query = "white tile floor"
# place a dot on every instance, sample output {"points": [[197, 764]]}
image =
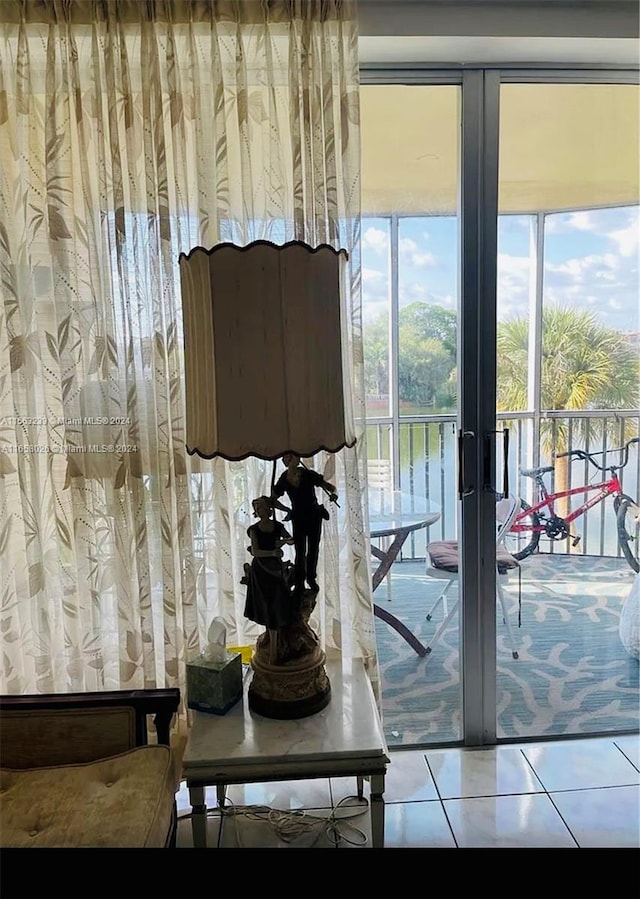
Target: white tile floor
{"points": [[572, 794]]}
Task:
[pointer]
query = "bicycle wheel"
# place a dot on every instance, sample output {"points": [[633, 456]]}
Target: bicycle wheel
{"points": [[527, 519], [628, 518]]}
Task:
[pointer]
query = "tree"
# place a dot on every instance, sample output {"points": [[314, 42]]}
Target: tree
{"points": [[376, 356], [423, 368], [428, 321], [427, 355], [585, 365]]}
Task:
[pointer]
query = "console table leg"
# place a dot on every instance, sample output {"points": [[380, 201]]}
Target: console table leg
{"points": [[198, 817], [377, 810]]}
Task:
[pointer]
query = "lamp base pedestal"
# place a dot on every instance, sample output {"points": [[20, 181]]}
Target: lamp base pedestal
{"points": [[286, 693], [289, 678]]}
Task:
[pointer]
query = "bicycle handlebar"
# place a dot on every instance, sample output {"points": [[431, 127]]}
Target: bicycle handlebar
{"points": [[583, 454]]}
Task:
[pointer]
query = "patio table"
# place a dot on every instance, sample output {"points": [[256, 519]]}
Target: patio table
{"points": [[396, 515]]}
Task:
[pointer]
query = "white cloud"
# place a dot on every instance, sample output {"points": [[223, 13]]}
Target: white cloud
{"points": [[413, 293], [627, 239], [448, 301], [587, 269], [551, 225], [564, 222], [375, 293], [373, 277], [513, 285], [607, 284], [582, 266], [375, 239], [595, 266], [582, 221], [373, 309], [605, 275], [513, 266], [410, 253]]}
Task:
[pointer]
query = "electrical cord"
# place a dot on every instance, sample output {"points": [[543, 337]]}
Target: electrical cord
{"points": [[291, 825]]}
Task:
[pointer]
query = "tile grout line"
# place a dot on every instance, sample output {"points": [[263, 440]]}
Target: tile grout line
{"points": [[441, 801], [631, 762]]}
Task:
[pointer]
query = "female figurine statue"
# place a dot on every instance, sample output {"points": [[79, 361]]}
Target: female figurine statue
{"points": [[269, 599], [306, 514]]}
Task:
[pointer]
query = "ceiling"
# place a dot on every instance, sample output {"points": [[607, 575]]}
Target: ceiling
{"points": [[562, 146], [494, 50]]}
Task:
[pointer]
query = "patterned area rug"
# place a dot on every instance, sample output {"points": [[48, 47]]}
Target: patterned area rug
{"points": [[573, 675]]}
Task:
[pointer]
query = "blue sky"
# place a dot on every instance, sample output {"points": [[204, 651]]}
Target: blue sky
{"points": [[590, 260]]}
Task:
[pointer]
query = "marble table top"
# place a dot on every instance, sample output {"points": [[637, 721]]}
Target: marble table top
{"points": [[348, 728]]}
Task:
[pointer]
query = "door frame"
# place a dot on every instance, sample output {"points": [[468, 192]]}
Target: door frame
{"points": [[477, 327], [477, 323]]}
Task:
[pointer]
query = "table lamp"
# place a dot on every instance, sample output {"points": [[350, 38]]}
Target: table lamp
{"points": [[267, 375]]}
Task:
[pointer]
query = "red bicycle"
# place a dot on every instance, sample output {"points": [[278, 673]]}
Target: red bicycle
{"points": [[541, 518]]}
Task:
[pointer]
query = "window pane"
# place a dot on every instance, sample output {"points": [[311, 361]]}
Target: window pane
{"points": [[569, 158], [516, 293], [376, 313], [427, 277]]}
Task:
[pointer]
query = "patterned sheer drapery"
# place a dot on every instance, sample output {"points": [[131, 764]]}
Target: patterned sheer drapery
{"points": [[130, 132]]}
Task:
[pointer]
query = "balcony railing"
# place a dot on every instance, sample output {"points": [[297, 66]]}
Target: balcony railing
{"points": [[425, 450]]}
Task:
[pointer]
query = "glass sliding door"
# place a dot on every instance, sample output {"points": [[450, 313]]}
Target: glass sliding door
{"points": [[410, 288], [568, 326], [500, 285]]}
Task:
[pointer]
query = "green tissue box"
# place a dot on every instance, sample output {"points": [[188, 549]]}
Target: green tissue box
{"points": [[214, 686]]}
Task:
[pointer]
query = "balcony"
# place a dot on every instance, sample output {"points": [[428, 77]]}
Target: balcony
{"points": [[573, 674], [427, 467]]}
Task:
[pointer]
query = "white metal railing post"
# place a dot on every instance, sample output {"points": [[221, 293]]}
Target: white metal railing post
{"points": [[536, 286], [394, 345]]}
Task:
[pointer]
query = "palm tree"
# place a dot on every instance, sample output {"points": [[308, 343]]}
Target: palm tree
{"points": [[585, 365]]}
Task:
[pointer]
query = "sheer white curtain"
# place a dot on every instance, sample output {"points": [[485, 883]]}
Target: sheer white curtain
{"points": [[130, 132]]}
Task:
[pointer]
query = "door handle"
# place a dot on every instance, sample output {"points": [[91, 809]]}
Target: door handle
{"points": [[464, 489], [487, 462]]}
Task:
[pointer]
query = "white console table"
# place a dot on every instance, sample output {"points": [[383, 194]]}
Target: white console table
{"points": [[345, 738]]}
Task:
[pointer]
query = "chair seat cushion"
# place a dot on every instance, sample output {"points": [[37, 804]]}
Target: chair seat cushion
{"points": [[124, 801], [444, 555]]}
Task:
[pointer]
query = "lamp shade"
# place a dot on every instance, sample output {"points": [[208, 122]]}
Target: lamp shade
{"points": [[266, 369]]}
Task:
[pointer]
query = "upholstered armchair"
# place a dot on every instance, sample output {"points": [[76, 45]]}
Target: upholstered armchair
{"points": [[80, 770]]}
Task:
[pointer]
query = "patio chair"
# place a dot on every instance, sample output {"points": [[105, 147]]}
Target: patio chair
{"points": [[442, 563]]}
